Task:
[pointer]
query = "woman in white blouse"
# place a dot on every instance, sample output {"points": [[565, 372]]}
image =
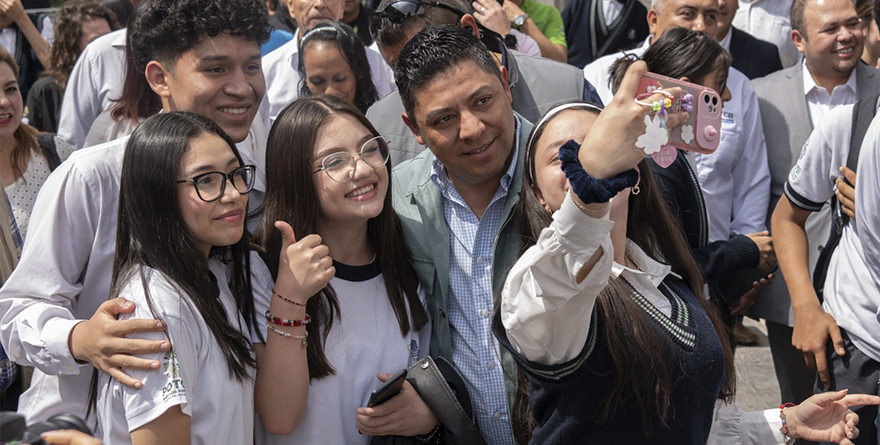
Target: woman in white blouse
{"points": [[24, 166], [606, 312]]}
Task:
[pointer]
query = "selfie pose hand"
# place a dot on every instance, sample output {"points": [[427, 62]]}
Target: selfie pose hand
{"points": [[305, 265]]}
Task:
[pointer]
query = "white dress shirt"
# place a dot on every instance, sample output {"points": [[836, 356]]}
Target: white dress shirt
{"points": [[735, 179], [546, 312], [820, 102], [769, 20], [62, 277], [96, 80], [283, 80]]}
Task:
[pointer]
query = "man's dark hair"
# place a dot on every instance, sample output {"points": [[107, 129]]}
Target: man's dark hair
{"points": [[434, 51], [796, 15], [165, 29], [393, 34], [876, 13]]}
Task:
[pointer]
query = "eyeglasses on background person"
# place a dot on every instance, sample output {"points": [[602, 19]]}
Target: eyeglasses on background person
{"points": [[341, 166], [397, 12], [212, 185]]}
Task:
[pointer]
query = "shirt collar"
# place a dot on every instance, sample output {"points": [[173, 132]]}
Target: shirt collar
{"points": [[725, 42], [810, 84], [654, 270], [441, 179]]}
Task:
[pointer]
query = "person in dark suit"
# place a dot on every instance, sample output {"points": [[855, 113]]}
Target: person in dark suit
{"points": [[754, 57], [593, 29]]}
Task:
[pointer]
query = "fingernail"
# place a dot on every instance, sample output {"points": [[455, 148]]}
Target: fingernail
{"points": [[361, 412], [154, 365], [138, 385], [127, 304], [160, 325], [165, 346]]}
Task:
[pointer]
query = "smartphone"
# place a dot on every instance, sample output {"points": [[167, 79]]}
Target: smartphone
{"points": [[388, 389], [701, 132]]}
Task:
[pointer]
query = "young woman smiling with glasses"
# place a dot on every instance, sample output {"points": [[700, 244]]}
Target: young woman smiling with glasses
{"points": [[328, 218], [181, 257]]}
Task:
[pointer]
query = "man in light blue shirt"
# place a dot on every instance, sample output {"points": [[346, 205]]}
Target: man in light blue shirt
{"points": [[456, 202]]}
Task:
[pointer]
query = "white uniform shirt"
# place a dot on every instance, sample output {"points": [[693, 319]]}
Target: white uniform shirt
{"points": [[283, 80], [363, 341], [769, 20], [95, 81], [735, 179], [820, 102], [867, 214], [547, 313], [193, 375], [852, 300], [63, 279]]}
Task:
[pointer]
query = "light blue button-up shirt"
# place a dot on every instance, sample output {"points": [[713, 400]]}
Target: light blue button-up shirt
{"points": [[474, 348]]}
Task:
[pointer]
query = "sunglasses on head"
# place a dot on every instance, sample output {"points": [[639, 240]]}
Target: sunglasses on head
{"points": [[401, 10]]}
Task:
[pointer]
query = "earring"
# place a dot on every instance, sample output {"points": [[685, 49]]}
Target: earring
{"points": [[636, 190], [548, 209]]}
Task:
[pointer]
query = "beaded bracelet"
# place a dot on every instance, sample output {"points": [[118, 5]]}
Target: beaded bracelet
{"points": [[285, 322], [287, 300], [289, 335], [784, 428]]}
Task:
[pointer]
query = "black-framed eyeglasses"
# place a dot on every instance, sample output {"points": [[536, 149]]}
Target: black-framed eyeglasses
{"points": [[212, 185], [340, 166], [401, 10]]}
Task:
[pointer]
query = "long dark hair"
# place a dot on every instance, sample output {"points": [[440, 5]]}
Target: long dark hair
{"points": [[291, 197], [352, 51], [637, 353], [138, 100], [678, 53], [150, 223]]}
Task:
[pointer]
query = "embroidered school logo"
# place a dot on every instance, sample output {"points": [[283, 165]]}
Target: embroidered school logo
{"points": [[727, 117], [171, 368]]}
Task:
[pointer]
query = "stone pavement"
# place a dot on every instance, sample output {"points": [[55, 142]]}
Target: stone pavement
{"points": [[756, 388]]}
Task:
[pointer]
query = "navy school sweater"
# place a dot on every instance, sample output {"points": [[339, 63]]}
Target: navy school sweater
{"points": [[566, 399]]}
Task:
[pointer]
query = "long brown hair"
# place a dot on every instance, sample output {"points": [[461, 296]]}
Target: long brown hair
{"points": [[291, 196], [25, 136], [68, 29], [637, 352]]}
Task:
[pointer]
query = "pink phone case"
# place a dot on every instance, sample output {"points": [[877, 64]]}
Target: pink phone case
{"points": [[701, 132]]}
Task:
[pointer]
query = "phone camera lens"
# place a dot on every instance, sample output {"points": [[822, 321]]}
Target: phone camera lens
{"points": [[706, 99], [714, 100]]}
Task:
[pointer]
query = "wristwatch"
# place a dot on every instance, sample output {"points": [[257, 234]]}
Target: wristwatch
{"points": [[510, 41], [520, 20]]}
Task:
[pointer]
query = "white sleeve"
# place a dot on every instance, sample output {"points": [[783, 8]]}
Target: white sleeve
{"points": [[812, 180], [38, 301], [383, 76], [48, 31], [173, 384], [751, 172], [867, 193], [261, 285], [81, 104], [730, 426], [544, 310]]}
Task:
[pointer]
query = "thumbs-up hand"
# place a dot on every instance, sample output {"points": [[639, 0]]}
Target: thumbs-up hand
{"points": [[304, 267]]}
